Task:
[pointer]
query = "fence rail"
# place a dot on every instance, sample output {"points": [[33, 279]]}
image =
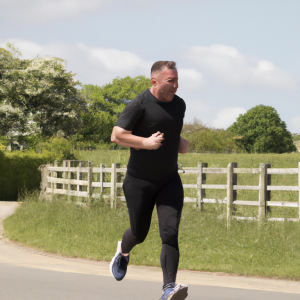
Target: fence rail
{"points": [[75, 178]]}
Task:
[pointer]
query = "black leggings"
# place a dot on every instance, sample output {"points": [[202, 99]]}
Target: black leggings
{"points": [[141, 197]]}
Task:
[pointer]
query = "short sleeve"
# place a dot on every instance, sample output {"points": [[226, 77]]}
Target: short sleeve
{"points": [[130, 115]]}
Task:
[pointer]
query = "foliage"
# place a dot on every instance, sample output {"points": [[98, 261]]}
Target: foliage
{"points": [[59, 147], [261, 131], [20, 170], [204, 139], [37, 95], [296, 138], [4, 142], [195, 125], [20, 173], [97, 126], [105, 105], [208, 140], [114, 96]]}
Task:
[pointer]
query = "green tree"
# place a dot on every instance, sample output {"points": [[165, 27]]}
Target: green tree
{"points": [[261, 130], [38, 95], [97, 127], [105, 104], [114, 96]]}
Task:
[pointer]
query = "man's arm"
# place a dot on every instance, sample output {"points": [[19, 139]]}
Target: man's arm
{"points": [[183, 146], [125, 138]]}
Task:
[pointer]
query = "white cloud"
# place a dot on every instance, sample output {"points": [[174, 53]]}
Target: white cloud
{"points": [[295, 125], [227, 116], [94, 65], [229, 65], [42, 11], [190, 79], [37, 11], [97, 65]]}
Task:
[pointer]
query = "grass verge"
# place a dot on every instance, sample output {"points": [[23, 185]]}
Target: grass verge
{"points": [[270, 249]]}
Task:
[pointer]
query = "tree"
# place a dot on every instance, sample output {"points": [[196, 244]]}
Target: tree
{"points": [[38, 94], [114, 96], [261, 130], [105, 105], [97, 127]]}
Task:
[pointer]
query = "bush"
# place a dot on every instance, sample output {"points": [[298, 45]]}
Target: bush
{"points": [[208, 140], [260, 130], [19, 172], [58, 148]]}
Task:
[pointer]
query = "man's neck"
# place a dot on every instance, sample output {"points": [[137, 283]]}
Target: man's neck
{"points": [[156, 94]]}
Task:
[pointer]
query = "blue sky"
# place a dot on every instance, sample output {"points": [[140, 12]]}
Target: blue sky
{"points": [[231, 54]]}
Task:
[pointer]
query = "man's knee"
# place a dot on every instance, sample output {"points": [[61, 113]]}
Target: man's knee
{"points": [[139, 237], [169, 236]]}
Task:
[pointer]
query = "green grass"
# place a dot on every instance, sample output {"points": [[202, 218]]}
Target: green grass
{"points": [[286, 160], [271, 249]]}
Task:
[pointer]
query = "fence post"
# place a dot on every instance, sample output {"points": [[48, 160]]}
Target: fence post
{"points": [[262, 191], [55, 174], [201, 179], [90, 179], [299, 186], [268, 193], [64, 173], [229, 193], [101, 178], [69, 177], [113, 185], [78, 178], [234, 181], [44, 180]]}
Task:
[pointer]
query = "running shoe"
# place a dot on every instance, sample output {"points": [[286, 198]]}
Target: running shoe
{"points": [[118, 265], [179, 292]]}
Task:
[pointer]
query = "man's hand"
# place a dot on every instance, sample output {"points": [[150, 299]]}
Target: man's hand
{"points": [[153, 142]]}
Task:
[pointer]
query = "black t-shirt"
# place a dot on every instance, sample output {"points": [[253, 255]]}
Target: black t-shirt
{"points": [[145, 115]]}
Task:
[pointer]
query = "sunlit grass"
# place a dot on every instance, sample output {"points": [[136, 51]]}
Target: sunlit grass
{"points": [[269, 249]]}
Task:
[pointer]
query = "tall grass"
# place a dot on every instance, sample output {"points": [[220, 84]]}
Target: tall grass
{"points": [[270, 249]]}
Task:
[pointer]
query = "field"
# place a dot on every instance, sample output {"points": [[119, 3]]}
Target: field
{"points": [[221, 160]]}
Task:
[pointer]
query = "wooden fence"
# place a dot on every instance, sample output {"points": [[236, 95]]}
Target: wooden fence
{"points": [[75, 178]]}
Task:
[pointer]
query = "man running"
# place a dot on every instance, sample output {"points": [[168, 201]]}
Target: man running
{"points": [[150, 125]]}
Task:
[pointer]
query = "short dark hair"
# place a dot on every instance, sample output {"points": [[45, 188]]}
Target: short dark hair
{"points": [[159, 65]]}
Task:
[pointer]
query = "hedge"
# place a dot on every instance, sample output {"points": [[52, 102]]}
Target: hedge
{"points": [[19, 173]]}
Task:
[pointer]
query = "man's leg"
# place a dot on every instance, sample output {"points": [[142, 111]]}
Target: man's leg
{"points": [[140, 200], [169, 202], [139, 195]]}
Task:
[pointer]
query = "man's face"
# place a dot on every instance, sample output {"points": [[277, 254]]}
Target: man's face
{"points": [[166, 84]]}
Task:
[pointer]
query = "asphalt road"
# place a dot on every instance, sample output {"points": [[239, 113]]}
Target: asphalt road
{"points": [[22, 283]]}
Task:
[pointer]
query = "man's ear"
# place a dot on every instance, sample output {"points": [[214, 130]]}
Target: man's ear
{"points": [[153, 81]]}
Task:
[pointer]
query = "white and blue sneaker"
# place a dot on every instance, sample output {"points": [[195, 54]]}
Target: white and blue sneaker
{"points": [[118, 265], [178, 292]]}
